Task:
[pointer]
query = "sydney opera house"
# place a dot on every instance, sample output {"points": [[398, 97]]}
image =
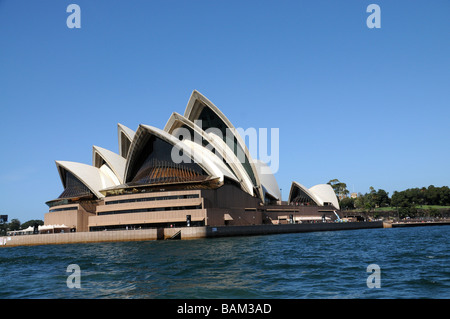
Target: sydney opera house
{"points": [[159, 178]]}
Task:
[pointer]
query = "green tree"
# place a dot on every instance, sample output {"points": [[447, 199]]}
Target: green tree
{"points": [[340, 189], [432, 195], [382, 198], [14, 224], [422, 196], [433, 212], [3, 229], [372, 199], [399, 199], [362, 201], [403, 212], [445, 196], [347, 203], [31, 223]]}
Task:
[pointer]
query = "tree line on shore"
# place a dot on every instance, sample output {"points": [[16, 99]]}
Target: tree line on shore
{"points": [[412, 202]]}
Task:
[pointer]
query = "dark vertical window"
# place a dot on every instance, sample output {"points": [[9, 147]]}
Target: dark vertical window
{"points": [[153, 164], [211, 120], [74, 187], [299, 197], [125, 144]]}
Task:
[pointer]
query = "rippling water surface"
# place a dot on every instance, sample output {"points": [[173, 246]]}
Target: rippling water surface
{"points": [[414, 263]]}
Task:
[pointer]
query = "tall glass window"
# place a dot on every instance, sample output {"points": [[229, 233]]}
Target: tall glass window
{"points": [[299, 197], [153, 164], [125, 144], [211, 120], [74, 187]]}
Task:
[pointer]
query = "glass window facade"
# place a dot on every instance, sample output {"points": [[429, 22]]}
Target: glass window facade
{"points": [[153, 164], [145, 210], [150, 199], [125, 144], [74, 187], [63, 209], [299, 197], [211, 120]]}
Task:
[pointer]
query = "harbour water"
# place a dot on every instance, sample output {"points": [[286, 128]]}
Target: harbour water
{"points": [[413, 262]]}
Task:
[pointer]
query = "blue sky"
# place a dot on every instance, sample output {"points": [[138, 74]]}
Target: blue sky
{"points": [[370, 107]]}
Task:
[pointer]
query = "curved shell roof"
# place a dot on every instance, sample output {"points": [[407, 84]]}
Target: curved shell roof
{"points": [[306, 191], [216, 162], [220, 148], [194, 109], [114, 161], [205, 162], [126, 136], [320, 194], [268, 180], [326, 194], [90, 176]]}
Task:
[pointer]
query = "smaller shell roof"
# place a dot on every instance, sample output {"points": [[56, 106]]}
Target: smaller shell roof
{"points": [[306, 191], [326, 194], [320, 194], [90, 176], [125, 135], [129, 133], [114, 161]]}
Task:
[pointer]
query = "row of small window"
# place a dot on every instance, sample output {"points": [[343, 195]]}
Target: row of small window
{"points": [[145, 210], [150, 199], [63, 209]]}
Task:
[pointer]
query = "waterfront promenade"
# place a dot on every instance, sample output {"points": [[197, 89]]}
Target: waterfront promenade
{"points": [[178, 233], [198, 232]]}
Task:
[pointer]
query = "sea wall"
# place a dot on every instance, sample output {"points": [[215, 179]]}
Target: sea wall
{"points": [[81, 237], [182, 232], [223, 231], [420, 224]]}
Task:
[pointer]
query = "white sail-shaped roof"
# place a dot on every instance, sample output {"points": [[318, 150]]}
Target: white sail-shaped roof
{"points": [[205, 162], [92, 177], [226, 153], [320, 194], [268, 180], [306, 191], [126, 136], [207, 155], [215, 144], [196, 105], [325, 193], [114, 161]]}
